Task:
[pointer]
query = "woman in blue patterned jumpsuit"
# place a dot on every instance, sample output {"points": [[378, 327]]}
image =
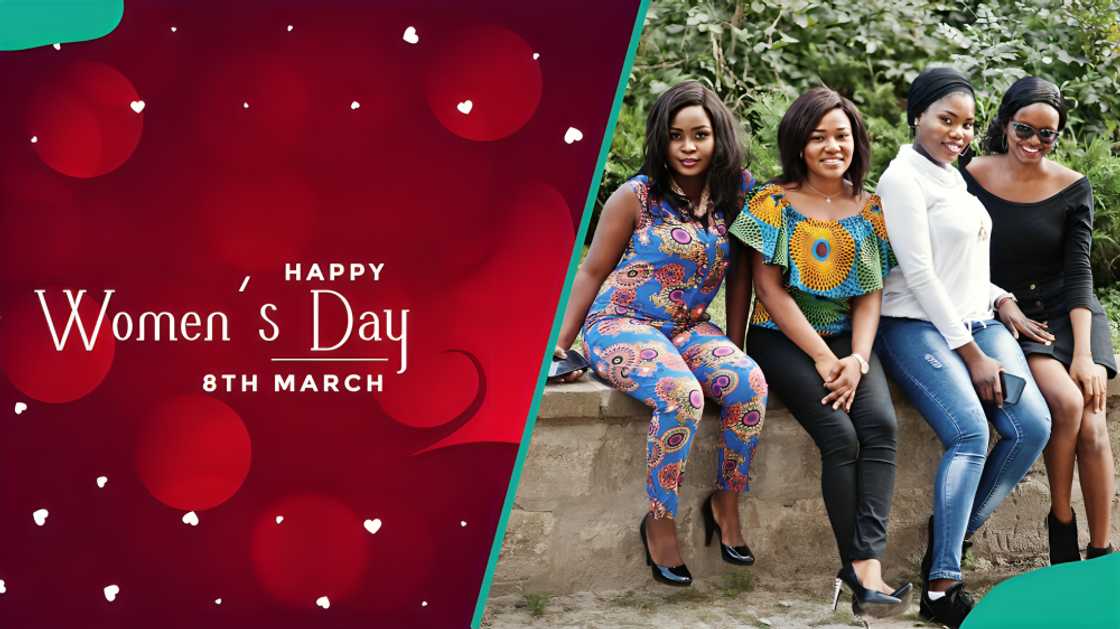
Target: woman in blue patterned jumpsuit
{"points": [[657, 259]]}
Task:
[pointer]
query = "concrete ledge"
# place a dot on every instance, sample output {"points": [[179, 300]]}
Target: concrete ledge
{"points": [[574, 521]]}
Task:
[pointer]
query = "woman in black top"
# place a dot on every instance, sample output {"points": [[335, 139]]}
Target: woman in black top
{"points": [[1042, 215]]}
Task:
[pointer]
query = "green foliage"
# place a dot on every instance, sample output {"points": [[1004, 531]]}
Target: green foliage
{"points": [[537, 602], [760, 54]]}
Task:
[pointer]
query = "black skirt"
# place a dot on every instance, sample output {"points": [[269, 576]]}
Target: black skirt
{"points": [[1100, 337]]}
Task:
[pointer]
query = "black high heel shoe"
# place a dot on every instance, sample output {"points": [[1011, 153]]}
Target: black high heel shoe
{"points": [[871, 602], [738, 555], [675, 575]]}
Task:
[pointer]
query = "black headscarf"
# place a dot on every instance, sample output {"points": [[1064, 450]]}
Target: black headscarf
{"points": [[1026, 91], [931, 85]]}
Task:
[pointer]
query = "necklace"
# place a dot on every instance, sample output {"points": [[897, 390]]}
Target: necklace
{"points": [[700, 209], [827, 197]]}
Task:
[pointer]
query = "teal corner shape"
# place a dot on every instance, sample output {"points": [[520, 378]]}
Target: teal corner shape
{"points": [[573, 263], [1082, 594], [31, 23]]}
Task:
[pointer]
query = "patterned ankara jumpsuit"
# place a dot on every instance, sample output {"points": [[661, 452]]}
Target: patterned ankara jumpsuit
{"points": [[648, 335]]}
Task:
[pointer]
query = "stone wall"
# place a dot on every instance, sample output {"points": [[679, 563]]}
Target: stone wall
{"points": [[574, 523]]}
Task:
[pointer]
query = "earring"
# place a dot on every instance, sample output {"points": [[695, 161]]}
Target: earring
{"points": [[801, 155]]}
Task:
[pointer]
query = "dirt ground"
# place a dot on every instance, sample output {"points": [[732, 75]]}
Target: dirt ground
{"points": [[733, 601]]}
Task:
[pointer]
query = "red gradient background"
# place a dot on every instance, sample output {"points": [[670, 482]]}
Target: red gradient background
{"points": [[473, 216]]}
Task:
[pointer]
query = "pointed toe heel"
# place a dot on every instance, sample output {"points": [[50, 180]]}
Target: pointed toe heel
{"points": [[737, 555], [865, 601], [669, 575]]}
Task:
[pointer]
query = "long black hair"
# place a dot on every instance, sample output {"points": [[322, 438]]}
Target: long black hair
{"points": [[798, 124], [724, 173], [1026, 91]]}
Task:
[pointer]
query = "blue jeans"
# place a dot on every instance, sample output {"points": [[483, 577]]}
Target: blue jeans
{"points": [[970, 482]]}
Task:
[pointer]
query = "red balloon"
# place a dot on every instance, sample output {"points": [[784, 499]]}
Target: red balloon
{"points": [[33, 363], [484, 83], [193, 453], [320, 549], [84, 118]]}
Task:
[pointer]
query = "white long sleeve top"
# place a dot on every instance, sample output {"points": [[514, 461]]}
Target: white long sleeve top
{"points": [[941, 235]]}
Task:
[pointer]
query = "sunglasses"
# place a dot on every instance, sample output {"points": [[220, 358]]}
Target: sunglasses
{"points": [[1024, 131]]}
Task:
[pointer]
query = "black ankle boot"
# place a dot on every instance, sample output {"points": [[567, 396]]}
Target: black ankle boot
{"points": [[1092, 552], [1063, 540]]}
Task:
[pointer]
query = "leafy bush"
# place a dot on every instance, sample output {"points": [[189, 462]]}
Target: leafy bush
{"points": [[759, 54]]}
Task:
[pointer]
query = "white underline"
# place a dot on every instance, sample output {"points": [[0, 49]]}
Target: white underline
{"points": [[329, 360]]}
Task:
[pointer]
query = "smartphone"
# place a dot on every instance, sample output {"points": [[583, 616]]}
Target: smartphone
{"points": [[1012, 386]]}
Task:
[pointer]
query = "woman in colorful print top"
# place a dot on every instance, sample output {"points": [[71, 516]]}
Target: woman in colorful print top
{"points": [[657, 259], [822, 254]]}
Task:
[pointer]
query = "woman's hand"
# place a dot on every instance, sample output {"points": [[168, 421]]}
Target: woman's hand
{"points": [[560, 354], [842, 381], [1090, 378], [1018, 323], [984, 371]]}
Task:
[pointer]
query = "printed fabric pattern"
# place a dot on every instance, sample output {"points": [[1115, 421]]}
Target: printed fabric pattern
{"points": [[824, 263]]}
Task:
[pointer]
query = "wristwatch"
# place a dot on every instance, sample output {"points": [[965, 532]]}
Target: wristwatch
{"points": [[864, 367]]}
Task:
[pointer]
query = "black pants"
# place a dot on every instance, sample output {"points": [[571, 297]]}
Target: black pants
{"points": [[857, 447]]}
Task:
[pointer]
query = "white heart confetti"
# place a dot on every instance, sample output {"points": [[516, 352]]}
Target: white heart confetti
{"points": [[57, 46], [279, 519], [111, 592], [22, 406], [217, 601], [137, 106], [34, 139], [373, 526], [101, 480], [465, 107], [323, 602], [463, 523], [572, 135], [190, 518], [410, 35], [423, 603], [536, 55], [290, 27], [3, 588], [173, 29], [40, 516], [245, 105], [355, 105]]}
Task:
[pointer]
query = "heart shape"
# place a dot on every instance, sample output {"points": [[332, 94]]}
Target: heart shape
{"points": [[101, 480], [323, 602], [290, 27], [465, 107], [190, 518], [34, 139], [410, 35], [355, 105], [137, 106], [173, 29], [279, 519], [40, 516], [57, 46], [111, 592], [21, 406], [536, 55], [217, 601], [572, 135], [463, 523], [373, 526], [3, 588], [423, 603]]}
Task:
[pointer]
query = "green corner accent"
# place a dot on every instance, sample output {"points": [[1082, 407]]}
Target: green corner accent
{"points": [[31, 23], [573, 263], [1083, 594]]}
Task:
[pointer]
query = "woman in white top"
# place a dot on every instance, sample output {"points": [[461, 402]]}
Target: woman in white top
{"points": [[939, 339]]}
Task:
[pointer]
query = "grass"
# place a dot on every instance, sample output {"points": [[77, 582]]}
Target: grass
{"points": [[838, 617], [632, 600], [536, 602], [733, 584]]}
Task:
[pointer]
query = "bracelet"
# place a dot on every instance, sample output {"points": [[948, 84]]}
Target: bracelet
{"points": [[1002, 298], [864, 366]]}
